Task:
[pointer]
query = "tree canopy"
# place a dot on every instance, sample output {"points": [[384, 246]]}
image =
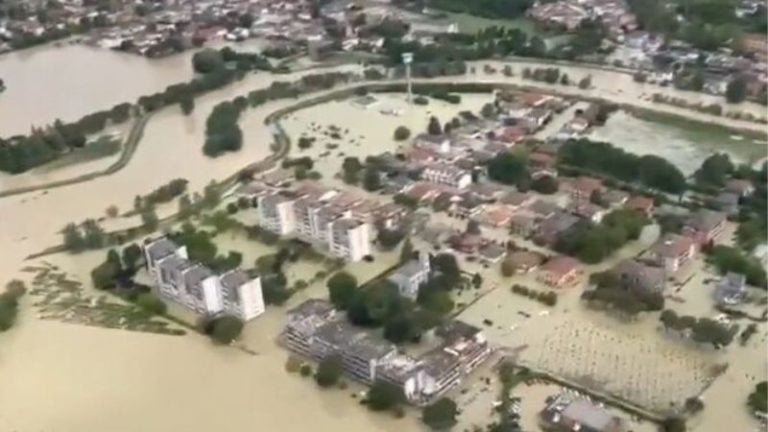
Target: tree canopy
{"points": [[440, 415], [342, 288], [329, 370]]}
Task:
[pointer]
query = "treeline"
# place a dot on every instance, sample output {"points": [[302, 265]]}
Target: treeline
{"points": [[88, 235], [484, 8], [610, 291], [21, 153], [223, 134], [163, 194], [727, 259], [602, 158], [701, 330]]}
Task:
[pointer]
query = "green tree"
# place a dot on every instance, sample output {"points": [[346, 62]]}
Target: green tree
{"points": [[207, 60], [402, 133], [351, 168], [149, 219], [151, 303], [371, 179], [736, 90], [714, 171], [488, 110], [508, 168], [93, 235], [103, 276], [401, 327], [187, 105], [329, 370], [434, 127], [673, 424], [131, 255], [545, 184], [342, 289], [224, 329], [406, 251], [383, 396], [73, 239], [440, 415], [758, 399]]}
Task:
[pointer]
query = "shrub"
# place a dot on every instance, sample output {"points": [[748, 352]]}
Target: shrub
{"points": [[402, 133], [151, 303]]}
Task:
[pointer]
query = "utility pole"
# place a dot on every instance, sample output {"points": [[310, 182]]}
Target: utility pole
{"points": [[407, 60]]}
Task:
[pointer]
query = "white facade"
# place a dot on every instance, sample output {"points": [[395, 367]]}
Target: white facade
{"points": [[447, 175], [196, 287], [276, 213], [411, 276], [350, 239]]}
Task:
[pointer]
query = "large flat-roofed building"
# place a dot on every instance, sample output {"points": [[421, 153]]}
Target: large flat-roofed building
{"points": [[315, 330], [199, 289], [566, 413], [276, 213]]}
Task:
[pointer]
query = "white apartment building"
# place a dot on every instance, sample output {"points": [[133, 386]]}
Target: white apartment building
{"points": [[448, 175], [411, 276], [199, 289], [350, 239], [276, 213]]}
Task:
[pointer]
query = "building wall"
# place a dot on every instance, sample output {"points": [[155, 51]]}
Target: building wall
{"points": [[251, 299]]}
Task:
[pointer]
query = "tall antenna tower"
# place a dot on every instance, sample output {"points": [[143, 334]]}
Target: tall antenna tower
{"points": [[407, 60]]}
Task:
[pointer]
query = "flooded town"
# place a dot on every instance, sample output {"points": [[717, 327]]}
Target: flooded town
{"points": [[383, 216]]}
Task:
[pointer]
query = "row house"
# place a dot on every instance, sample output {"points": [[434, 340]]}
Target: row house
{"points": [[448, 175], [197, 287]]}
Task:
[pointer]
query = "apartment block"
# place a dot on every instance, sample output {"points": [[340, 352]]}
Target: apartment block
{"points": [[197, 287], [276, 213]]}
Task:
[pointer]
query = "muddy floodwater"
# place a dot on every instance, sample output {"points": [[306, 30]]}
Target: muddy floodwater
{"points": [[686, 146]]}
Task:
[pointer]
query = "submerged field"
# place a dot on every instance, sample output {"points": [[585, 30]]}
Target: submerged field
{"points": [[684, 143]]}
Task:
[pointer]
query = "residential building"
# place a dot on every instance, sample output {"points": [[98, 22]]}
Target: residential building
{"points": [[522, 225], [731, 289], [316, 331], [448, 175], [641, 203], [492, 252], [583, 187], [585, 209], [567, 413], [523, 261], [496, 215], [552, 228], [350, 239], [614, 198], [704, 226], [542, 164], [199, 289], [637, 276], [673, 251], [276, 213], [740, 187], [559, 271], [727, 202], [411, 275]]}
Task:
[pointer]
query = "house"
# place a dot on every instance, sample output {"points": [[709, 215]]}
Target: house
{"points": [[559, 271], [543, 209], [536, 118], [583, 187], [585, 209], [551, 229], [542, 164], [411, 275], [635, 275], [727, 202], [466, 243], [704, 226], [567, 414], [492, 253], [740, 187], [422, 192], [731, 289], [641, 203], [486, 191], [516, 199], [673, 251], [496, 215], [523, 261], [614, 198], [467, 207], [522, 224], [448, 175]]}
